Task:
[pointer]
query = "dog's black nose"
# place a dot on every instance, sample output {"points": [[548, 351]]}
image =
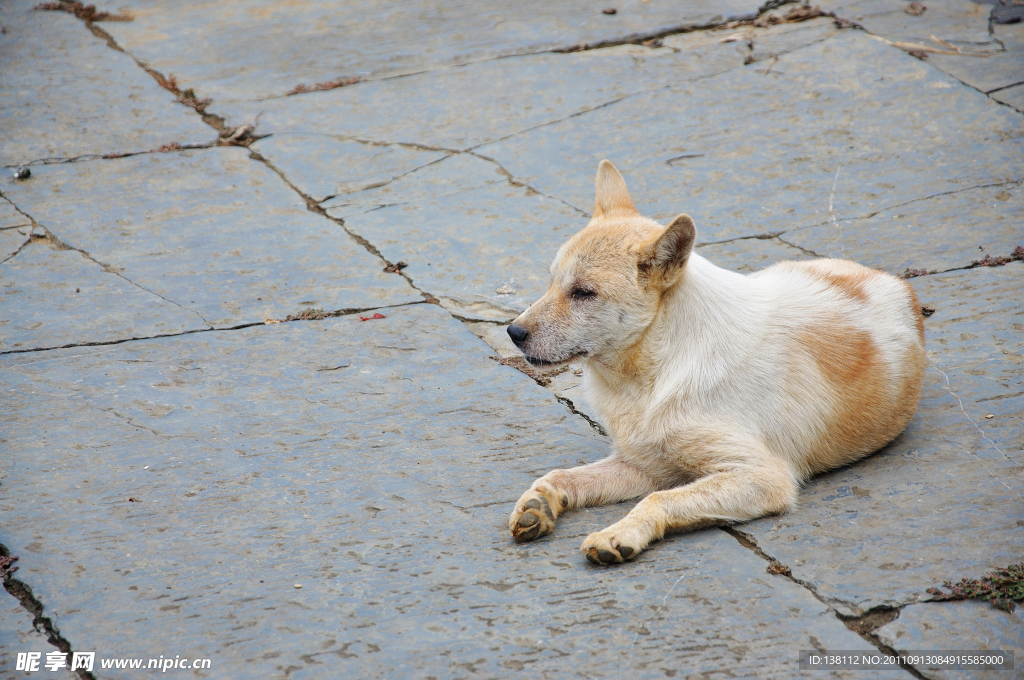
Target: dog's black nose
{"points": [[518, 334]]}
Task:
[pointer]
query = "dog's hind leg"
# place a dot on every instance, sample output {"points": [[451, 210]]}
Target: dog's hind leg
{"points": [[734, 492], [610, 480]]}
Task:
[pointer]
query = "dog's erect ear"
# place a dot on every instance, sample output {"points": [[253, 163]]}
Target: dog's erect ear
{"points": [[665, 255], [612, 195]]}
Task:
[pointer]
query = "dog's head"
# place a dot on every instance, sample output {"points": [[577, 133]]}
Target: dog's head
{"points": [[606, 281]]}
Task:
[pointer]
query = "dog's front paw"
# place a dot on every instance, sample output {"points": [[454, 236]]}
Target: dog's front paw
{"points": [[534, 515], [610, 546]]}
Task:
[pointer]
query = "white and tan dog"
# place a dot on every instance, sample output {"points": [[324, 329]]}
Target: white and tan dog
{"points": [[722, 392]]}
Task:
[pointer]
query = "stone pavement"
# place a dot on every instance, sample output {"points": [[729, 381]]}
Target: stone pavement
{"points": [[229, 434]]}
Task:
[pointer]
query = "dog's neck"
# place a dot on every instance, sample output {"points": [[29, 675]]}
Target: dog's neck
{"points": [[705, 325]]}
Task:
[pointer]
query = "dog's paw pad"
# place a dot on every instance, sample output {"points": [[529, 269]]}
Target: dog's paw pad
{"points": [[602, 548], [528, 520], [528, 534], [603, 557], [540, 504], [532, 519]]}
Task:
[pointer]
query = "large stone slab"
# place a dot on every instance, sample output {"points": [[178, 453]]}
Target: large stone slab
{"points": [[251, 50], [210, 230], [374, 464], [460, 108], [934, 234], [969, 625], [66, 94], [469, 237], [847, 123], [946, 499], [55, 298], [483, 249]]}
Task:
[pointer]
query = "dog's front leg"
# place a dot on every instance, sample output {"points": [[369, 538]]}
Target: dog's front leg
{"points": [[762, 485], [610, 480]]}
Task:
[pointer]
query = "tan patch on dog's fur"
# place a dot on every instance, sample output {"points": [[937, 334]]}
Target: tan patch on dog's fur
{"points": [[848, 277], [865, 413]]}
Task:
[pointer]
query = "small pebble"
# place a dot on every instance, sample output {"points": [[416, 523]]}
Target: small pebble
{"points": [[298, 585], [22, 173], [610, 10], [989, 416]]}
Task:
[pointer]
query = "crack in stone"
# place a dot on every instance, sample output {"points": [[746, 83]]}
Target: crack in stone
{"points": [[57, 242], [863, 624], [31, 223], [974, 265], [131, 422], [766, 236], [385, 183], [572, 408], [348, 311], [110, 270], [371, 207], [630, 39], [28, 240], [523, 185], [868, 216], [315, 207], [44, 624], [509, 177], [56, 160], [1005, 87], [214, 121], [664, 600], [835, 13], [960, 403], [806, 251]]}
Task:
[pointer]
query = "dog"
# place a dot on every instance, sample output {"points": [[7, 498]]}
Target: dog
{"points": [[722, 392]]}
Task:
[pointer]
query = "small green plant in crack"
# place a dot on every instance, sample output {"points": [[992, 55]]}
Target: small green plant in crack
{"points": [[1003, 588]]}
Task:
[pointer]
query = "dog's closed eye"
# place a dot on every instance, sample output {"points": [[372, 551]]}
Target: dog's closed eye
{"points": [[582, 293]]}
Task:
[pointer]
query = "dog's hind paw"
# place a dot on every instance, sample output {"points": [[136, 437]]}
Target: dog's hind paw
{"points": [[605, 547], [533, 516]]}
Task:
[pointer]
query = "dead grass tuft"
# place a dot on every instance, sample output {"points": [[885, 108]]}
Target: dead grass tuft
{"points": [[329, 85], [87, 13]]}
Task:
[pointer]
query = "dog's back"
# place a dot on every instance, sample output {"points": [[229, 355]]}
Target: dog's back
{"points": [[822, 360], [854, 359]]}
